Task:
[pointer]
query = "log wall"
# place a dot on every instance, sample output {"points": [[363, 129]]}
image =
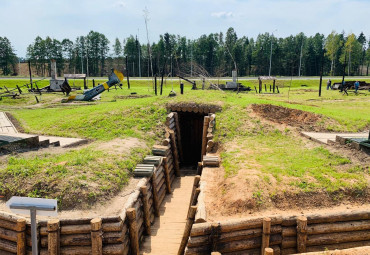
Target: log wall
{"points": [[284, 234], [121, 234]]}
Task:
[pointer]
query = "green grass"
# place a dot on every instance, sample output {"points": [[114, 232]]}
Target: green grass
{"points": [[90, 174]]}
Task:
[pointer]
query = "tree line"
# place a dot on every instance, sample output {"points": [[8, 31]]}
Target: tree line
{"points": [[216, 53]]}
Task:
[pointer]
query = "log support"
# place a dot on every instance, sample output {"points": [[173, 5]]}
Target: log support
{"points": [[155, 195], [21, 236], [144, 199], [167, 175], [188, 226], [266, 229], [301, 234], [134, 234], [96, 236]]}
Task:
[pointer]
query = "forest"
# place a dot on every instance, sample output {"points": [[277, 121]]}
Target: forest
{"points": [[217, 53]]}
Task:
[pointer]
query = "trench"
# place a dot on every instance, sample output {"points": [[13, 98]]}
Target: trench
{"points": [[191, 126]]}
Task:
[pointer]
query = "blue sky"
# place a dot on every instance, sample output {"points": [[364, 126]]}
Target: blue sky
{"points": [[23, 20]]}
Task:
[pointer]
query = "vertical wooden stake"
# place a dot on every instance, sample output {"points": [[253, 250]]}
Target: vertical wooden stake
{"points": [[215, 235], [144, 198], [134, 235], [301, 234], [167, 175], [204, 136], [194, 199], [195, 185], [155, 195], [96, 236], [188, 226], [21, 236], [268, 251], [178, 132], [175, 154], [266, 234]]}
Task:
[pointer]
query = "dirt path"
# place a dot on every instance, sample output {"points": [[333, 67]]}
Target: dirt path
{"points": [[168, 229]]}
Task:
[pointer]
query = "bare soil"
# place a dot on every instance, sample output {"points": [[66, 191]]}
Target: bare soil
{"points": [[292, 117], [235, 197], [245, 194]]}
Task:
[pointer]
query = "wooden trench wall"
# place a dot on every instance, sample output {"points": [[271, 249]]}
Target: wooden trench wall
{"points": [[283, 234], [120, 234]]}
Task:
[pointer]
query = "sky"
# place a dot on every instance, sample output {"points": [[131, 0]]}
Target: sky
{"points": [[23, 20]]}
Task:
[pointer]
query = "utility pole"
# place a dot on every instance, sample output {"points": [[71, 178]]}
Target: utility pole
{"points": [[87, 69], [139, 49], [300, 62], [146, 17], [191, 59], [271, 51]]}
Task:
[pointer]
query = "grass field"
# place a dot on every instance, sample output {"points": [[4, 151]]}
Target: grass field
{"points": [[85, 175]]}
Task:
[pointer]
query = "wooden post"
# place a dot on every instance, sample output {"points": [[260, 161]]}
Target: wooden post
{"points": [[178, 132], [175, 153], [21, 236], [215, 235], [144, 199], [155, 84], [268, 251], [194, 198], [215, 253], [301, 234], [127, 74], [204, 136], [155, 195], [265, 234], [96, 236], [93, 83], [188, 226], [134, 235], [30, 71], [53, 237], [195, 186], [167, 175]]}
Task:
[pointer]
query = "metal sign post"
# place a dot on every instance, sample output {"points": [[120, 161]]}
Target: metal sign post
{"points": [[32, 206]]}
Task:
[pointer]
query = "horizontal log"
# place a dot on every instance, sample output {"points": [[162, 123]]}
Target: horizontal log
{"points": [[202, 250], [8, 224], [82, 221], [288, 251], [8, 246], [289, 231], [289, 221], [338, 246], [289, 242], [9, 217], [340, 216], [240, 224], [275, 248], [166, 142], [2, 252], [113, 237], [245, 234], [335, 238], [347, 226], [162, 193], [69, 240], [232, 236], [160, 179], [8, 234], [252, 243]]}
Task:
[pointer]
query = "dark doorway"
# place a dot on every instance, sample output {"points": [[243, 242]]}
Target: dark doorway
{"points": [[191, 126]]}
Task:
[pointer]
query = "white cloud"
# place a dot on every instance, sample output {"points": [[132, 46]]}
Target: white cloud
{"points": [[121, 4], [222, 15]]}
